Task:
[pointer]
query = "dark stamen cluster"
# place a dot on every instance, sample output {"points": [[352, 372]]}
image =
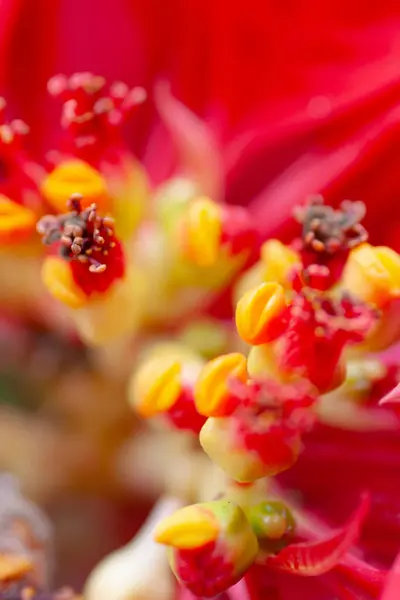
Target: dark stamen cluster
{"points": [[326, 230], [82, 233]]}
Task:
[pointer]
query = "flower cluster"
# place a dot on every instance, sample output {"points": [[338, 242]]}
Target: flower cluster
{"points": [[307, 312], [236, 350]]}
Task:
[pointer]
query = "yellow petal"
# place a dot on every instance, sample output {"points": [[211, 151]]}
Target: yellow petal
{"points": [[373, 274], [188, 528]]}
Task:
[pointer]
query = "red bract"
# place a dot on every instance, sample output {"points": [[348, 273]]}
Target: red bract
{"points": [[328, 126], [183, 414], [393, 397], [329, 489], [239, 232], [263, 395], [203, 571], [270, 420], [318, 557], [20, 201], [392, 587]]}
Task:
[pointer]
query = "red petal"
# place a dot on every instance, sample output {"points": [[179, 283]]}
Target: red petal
{"points": [[392, 587], [198, 151], [393, 397], [316, 558]]}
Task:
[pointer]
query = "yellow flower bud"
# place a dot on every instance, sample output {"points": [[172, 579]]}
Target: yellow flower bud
{"points": [[259, 313], [373, 274], [278, 261], [75, 176], [221, 542], [201, 228], [211, 391], [188, 528], [155, 387]]}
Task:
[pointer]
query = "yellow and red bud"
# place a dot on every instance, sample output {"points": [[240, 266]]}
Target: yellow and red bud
{"points": [[260, 314], [201, 228], [215, 535], [190, 527], [277, 263], [373, 274], [163, 386], [212, 395]]}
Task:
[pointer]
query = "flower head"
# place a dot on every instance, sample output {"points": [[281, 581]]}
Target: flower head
{"points": [[211, 546], [260, 433], [94, 160], [90, 258]]}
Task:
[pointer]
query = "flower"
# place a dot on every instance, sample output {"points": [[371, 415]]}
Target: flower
{"points": [[212, 545], [260, 436], [311, 313], [89, 245], [263, 409], [95, 161]]}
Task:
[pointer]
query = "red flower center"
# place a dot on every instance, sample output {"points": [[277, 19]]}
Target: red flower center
{"points": [[88, 241]]}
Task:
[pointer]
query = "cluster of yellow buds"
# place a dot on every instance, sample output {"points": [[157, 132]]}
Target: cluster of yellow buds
{"points": [[136, 265], [306, 312]]}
